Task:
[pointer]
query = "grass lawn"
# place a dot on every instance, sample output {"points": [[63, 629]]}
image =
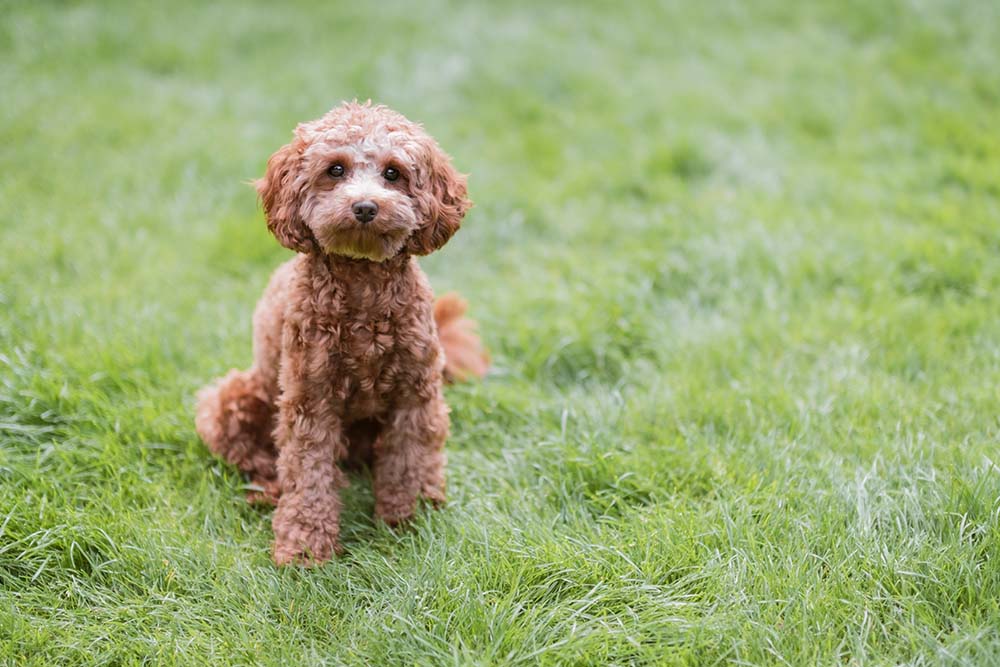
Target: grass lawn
{"points": [[738, 264]]}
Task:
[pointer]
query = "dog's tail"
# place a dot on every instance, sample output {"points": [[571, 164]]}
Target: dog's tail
{"points": [[464, 354]]}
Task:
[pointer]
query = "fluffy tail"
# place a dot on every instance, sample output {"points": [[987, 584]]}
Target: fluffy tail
{"points": [[464, 354]]}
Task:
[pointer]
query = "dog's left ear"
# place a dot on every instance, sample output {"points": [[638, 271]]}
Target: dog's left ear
{"points": [[441, 201]]}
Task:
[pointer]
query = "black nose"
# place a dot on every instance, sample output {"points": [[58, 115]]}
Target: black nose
{"points": [[365, 211]]}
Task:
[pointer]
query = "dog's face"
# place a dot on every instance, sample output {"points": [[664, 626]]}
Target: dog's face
{"points": [[362, 182]]}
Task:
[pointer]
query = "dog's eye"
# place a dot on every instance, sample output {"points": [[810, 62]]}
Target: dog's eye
{"points": [[336, 170], [390, 174]]}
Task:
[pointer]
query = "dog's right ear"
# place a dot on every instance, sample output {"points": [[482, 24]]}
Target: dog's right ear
{"points": [[279, 195]]}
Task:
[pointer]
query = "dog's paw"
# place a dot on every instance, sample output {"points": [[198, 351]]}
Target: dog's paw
{"points": [[398, 513], [393, 517], [300, 553], [303, 543]]}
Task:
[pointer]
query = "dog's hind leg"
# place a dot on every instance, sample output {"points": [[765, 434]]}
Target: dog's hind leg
{"points": [[235, 417]]}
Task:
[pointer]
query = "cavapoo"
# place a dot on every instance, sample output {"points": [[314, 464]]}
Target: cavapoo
{"points": [[350, 351]]}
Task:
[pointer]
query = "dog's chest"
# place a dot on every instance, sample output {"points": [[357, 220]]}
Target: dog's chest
{"points": [[367, 347]]}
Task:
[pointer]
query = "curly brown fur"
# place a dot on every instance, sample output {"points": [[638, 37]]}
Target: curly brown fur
{"points": [[348, 359], [464, 356]]}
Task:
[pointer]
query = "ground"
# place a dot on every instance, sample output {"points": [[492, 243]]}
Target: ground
{"points": [[738, 265]]}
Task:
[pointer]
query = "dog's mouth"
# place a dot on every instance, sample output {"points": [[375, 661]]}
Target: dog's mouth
{"points": [[373, 241]]}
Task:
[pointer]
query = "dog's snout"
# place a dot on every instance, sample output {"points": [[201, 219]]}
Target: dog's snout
{"points": [[365, 211]]}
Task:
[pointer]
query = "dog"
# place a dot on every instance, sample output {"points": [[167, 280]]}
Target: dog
{"points": [[350, 350]]}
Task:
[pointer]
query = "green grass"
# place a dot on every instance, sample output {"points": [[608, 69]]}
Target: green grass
{"points": [[739, 266]]}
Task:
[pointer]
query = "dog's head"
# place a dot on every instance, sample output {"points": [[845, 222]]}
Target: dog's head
{"points": [[363, 182]]}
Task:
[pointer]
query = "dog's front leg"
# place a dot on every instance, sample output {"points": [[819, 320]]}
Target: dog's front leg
{"points": [[310, 440], [409, 460], [307, 521]]}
